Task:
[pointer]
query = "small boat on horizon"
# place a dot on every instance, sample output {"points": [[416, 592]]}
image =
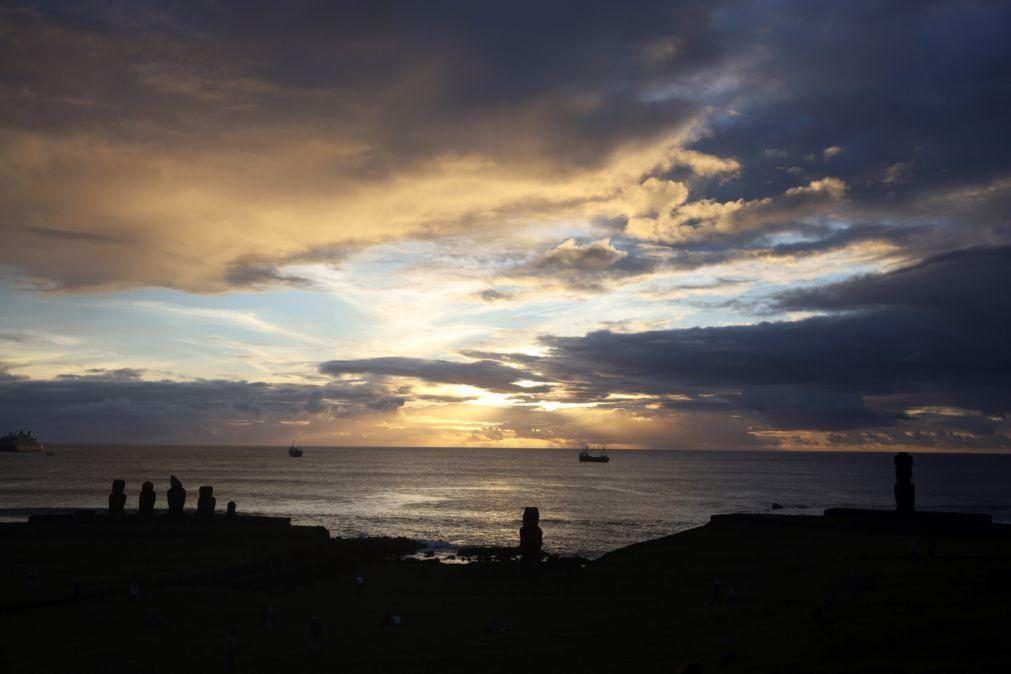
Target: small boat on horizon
{"points": [[294, 451], [587, 455]]}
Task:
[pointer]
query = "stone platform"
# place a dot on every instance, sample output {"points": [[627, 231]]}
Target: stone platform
{"points": [[92, 524]]}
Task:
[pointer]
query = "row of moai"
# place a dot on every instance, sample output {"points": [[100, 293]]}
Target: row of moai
{"points": [[176, 496]]}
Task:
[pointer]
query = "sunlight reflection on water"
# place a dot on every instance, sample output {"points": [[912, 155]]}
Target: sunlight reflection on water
{"points": [[476, 496]]}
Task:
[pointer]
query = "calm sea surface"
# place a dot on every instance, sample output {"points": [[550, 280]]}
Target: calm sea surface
{"points": [[476, 496]]}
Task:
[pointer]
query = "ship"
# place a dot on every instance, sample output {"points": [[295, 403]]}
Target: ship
{"points": [[21, 442], [587, 455], [294, 451]]}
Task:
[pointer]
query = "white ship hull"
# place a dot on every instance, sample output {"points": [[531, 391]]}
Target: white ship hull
{"points": [[21, 446]]}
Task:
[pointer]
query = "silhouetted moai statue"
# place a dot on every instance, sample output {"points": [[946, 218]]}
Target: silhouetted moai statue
{"points": [[231, 509], [206, 501], [531, 536], [905, 492], [146, 501], [117, 499], [176, 496]]}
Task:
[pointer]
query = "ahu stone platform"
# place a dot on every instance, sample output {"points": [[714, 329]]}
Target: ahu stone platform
{"points": [[90, 524]]}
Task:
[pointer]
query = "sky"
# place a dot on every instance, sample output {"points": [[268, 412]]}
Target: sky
{"points": [[684, 225]]}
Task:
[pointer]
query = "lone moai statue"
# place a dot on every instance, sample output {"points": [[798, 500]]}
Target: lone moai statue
{"points": [[905, 492], [531, 536], [231, 509], [176, 496], [146, 500], [206, 501], [117, 499]]}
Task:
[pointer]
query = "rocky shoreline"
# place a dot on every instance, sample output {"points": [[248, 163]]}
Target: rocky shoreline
{"points": [[846, 591]]}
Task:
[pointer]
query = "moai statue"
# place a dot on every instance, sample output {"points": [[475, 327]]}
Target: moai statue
{"points": [[231, 509], [146, 501], [117, 499], [206, 501], [905, 492], [531, 536], [176, 496]]}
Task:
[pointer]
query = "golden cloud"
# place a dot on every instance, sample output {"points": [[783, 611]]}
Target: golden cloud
{"points": [[92, 210]]}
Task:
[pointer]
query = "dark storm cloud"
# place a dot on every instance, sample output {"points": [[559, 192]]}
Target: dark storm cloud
{"points": [[773, 407], [876, 352], [972, 284], [423, 73], [902, 102], [485, 374], [932, 334], [829, 239], [118, 405], [912, 94], [767, 354], [540, 77]]}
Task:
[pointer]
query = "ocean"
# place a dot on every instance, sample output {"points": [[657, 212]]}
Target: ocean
{"points": [[452, 497]]}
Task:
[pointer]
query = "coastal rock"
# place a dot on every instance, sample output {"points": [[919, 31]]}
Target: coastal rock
{"points": [[206, 501], [905, 491], [146, 500], [176, 496], [231, 509], [531, 536], [117, 499]]}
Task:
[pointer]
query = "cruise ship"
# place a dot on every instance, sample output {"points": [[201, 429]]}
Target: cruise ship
{"points": [[20, 442]]}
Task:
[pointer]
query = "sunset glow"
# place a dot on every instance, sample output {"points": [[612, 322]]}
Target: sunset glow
{"points": [[670, 226]]}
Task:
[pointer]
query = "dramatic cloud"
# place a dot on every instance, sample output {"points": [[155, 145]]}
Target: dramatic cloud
{"points": [[967, 283], [918, 356], [168, 148], [514, 223], [908, 93], [934, 334], [119, 406], [921, 337], [708, 219], [485, 374], [208, 149], [586, 266]]}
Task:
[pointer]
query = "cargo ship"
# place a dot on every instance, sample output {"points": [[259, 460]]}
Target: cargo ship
{"points": [[586, 456]]}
